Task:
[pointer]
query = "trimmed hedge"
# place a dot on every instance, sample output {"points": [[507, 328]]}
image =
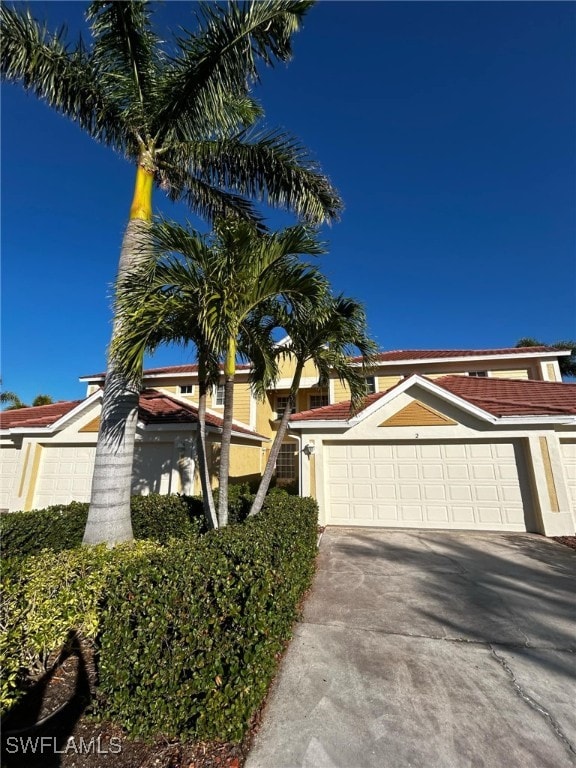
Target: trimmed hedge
{"points": [[46, 596], [187, 634], [191, 635], [61, 527]]}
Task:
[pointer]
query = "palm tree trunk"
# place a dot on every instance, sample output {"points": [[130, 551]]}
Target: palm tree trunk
{"points": [[280, 434], [207, 495], [109, 519], [226, 439]]}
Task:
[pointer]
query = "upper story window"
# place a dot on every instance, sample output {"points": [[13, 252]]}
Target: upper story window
{"points": [[479, 374], [281, 405], [318, 401], [218, 395], [371, 384], [186, 389]]}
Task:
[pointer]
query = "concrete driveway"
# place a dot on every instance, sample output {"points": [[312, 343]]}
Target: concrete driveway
{"points": [[429, 650]]}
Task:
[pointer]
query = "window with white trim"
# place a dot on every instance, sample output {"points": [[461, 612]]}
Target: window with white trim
{"points": [[218, 395], [371, 384], [478, 374], [186, 389], [281, 404], [318, 401], [286, 462]]}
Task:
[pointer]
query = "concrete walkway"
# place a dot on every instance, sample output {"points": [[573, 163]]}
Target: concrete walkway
{"points": [[429, 650]]}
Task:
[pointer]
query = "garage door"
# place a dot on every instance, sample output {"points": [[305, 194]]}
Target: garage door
{"points": [[65, 475], [569, 455], [8, 467], [425, 485]]}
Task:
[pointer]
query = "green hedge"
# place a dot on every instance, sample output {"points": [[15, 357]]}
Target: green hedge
{"points": [[190, 635], [187, 634], [46, 596], [62, 526]]}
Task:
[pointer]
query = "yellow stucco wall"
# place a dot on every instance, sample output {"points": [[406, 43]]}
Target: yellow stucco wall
{"points": [[246, 462], [241, 410]]}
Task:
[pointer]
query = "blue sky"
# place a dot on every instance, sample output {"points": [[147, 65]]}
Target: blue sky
{"points": [[448, 128]]}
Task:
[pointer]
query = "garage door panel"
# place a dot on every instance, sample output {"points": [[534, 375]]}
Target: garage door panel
{"points": [[439, 485], [568, 449], [65, 475]]}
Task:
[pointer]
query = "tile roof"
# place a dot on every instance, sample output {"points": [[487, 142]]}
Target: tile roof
{"points": [[36, 416], [507, 397], [500, 397], [170, 369], [432, 354], [153, 408], [383, 357]]}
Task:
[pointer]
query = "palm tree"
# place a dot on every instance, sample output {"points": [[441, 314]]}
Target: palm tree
{"points": [[328, 333], [42, 400], [12, 400], [567, 364], [223, 293], [184, 117]]}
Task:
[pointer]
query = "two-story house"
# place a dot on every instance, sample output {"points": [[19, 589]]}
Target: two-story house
{"points": [[430, 405]]}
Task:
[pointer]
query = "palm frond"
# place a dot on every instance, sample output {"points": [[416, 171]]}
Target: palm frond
{"points": [[220, 59], [269, 167], [127, 56], [64, 77]]}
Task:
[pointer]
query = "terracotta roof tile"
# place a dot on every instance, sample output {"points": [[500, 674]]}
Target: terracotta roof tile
{"points": [[432, 354], [500, 397], [153, 408], [170, 369], [36, 416], [508, 397]]}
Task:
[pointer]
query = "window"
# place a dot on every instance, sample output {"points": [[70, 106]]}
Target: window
{"points": [[281, 403], [218, 395], [318, 401], [478, 374], [186, 389], [285, 463], [371, 384]]}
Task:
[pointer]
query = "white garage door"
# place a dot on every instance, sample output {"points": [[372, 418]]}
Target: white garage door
{"points": [[425, 485], [8, 467], [569, 455], [65, 475]]}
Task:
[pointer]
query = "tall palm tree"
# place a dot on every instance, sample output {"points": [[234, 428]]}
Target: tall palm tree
{"points": [[224, 293], [184, 116], [328, 332]]}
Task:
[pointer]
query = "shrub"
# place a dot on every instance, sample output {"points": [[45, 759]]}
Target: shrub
{"points": [[190, 635], [44, 598], [62, 526]]}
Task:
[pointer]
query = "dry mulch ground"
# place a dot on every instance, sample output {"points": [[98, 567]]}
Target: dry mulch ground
{"points": [[65, 736], [569, 541]]}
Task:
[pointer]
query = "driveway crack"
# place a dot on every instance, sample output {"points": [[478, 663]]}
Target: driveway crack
{"points": [[532, 703]]}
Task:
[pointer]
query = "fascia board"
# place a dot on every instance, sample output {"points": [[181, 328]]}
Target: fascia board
{"points": [[429, 386], [319, 424], [528, 420]]}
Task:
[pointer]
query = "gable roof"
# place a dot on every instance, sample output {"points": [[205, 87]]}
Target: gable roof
{"points": [[36, 416], [153, 408], [498, 397]]}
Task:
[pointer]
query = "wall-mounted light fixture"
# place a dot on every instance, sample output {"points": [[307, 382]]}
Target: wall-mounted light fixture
{"points": [[309, 449]]}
